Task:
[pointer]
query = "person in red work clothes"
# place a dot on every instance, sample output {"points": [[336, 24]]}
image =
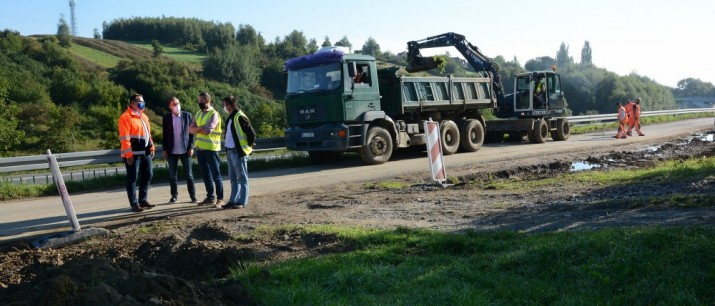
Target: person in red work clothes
{"points": [[137, 151], [622, 117], [636, 118], [629, 116]]}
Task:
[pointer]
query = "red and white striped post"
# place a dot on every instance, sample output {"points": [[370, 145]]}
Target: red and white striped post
{"points": [[434, 152]]}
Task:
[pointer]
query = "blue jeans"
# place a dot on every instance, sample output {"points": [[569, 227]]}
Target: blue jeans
{"points": [[173, 160], [142, 166], [238, 172], [211, 173]]}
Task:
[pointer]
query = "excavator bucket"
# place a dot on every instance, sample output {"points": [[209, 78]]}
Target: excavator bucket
{"points": [[419, 63]]}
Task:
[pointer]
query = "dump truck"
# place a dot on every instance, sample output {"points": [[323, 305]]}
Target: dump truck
{"points": [[338, 102]]}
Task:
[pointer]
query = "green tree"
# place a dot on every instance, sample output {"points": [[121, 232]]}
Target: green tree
{"points": [[312, 45], [10, 41], [344, 42], [63, 33], [691, 87], [586, 53], [157, 48], [539, 63], [371, 47], [248, 36], [326, 42], [10, 135], [237, 65], [97, 35], [562, 56]]}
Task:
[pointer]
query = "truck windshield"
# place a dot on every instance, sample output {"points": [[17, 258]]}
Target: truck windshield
{"points": [[324, 77]]}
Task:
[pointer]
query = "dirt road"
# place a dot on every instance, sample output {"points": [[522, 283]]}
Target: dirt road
{"points": [[23, 219]]}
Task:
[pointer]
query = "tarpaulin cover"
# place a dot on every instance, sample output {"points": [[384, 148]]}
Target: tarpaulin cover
{"points": [[314, 59]]}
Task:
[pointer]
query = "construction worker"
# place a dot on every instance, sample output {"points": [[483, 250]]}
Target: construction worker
{"points": [[622, 121], [636, 118], [207, 128], [137, 149], [629, 116], [540, 92]]}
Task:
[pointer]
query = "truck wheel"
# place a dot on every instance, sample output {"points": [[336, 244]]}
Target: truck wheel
{"points": [[540, 132], [320, 157], [378, 148], [450, 137], [563, 130], [472, 136]]}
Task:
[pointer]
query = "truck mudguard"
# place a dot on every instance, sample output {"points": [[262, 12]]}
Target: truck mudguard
{"points": [[371, 116]]}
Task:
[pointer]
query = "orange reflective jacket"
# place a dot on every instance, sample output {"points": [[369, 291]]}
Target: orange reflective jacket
{"points": [[135, 134]]}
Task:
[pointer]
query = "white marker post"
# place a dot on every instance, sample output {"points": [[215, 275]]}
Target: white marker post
{"points": [[62, 190], [434, 152], [62, 239]]}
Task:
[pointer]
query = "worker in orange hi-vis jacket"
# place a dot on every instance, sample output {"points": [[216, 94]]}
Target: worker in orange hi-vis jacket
{"points": [[629, 116], [137, 150], [622, 117], [636, 118]]}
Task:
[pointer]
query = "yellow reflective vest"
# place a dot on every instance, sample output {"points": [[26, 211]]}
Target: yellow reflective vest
{"points": [[242, 139], [211, 141]]}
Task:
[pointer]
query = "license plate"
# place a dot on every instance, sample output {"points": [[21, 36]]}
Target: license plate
{"points": [[307, 135]]}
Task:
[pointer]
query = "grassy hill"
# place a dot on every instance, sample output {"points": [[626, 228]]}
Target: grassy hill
{"points": [[107, 53]]}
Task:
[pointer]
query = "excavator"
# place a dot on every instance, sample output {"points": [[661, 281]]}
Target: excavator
{"points": [[526, 102]]}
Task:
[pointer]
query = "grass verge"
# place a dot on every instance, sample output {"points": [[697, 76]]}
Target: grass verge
{"points": [[644, 266]]}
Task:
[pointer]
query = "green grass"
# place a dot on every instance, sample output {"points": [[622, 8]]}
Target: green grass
{"points": [[98, 57], [386, 185], [664, 172], [178, 54], [673, 266]]}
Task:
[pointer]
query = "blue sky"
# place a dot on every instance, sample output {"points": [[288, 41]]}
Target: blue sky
{"points": [[664, 40]]}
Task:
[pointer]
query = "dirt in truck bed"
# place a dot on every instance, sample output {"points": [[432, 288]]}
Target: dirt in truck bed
{"points": [[183, 257]]}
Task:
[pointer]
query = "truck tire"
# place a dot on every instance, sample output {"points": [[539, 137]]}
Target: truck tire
{"points": [[540, 132], [378, 147], [320, 157], [563, 130], [449, 133], [472, 136]]}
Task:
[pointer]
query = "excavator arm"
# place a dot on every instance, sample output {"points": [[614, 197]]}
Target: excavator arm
{"points": [[416, 62]]}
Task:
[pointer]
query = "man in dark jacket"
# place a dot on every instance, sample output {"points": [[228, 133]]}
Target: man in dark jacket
{"points": [[239, 141], [178, 144]]}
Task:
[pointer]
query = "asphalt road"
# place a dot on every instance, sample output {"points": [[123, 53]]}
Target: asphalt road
{"points": [[43, 216]]}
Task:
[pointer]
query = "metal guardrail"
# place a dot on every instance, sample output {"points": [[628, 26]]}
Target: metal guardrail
{"points": [[35, 162], [614, 116]]}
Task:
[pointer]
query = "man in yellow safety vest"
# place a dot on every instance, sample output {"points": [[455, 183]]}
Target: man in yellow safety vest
{"points": [[207, 127]]}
